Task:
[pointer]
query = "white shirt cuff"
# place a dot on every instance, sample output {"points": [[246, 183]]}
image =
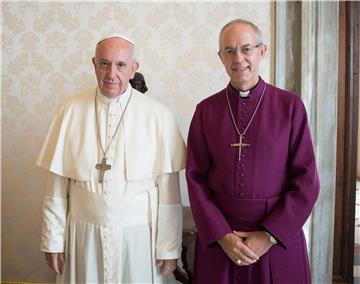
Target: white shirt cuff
{"points": [[169, 237], [54, 224]]}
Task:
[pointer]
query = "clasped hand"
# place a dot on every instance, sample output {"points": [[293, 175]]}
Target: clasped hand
{"points": [[247, 247]]}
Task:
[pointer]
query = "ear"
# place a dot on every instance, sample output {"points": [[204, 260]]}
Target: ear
{"points": [[219, 54], [263, 49], [93, 61], [134, 67]]}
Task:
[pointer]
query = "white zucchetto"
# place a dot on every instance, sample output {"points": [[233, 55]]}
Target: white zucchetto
{"points": [[121, 36]]}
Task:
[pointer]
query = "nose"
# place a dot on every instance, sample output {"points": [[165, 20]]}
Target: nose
{"points": [[112, 70], [238, 55]]}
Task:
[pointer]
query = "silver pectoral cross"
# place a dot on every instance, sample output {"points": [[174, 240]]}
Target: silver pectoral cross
{"points": [[240, 145], [102, 167]]}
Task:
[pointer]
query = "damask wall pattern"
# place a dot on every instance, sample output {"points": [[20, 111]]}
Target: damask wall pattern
{"points": [[46, 50]]}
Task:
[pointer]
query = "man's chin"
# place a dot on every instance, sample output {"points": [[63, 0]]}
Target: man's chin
{"points": [[241, 75], [110, 92], [240, 79]]}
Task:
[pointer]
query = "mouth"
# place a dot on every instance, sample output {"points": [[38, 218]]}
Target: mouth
{"points": [[111, 84], [240, 68]]}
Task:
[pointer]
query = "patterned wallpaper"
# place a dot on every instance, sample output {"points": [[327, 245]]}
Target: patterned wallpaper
{"points": [[46, 53]]}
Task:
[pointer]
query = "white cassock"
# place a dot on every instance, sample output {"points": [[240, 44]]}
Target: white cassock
{"points": [[112, 232]]}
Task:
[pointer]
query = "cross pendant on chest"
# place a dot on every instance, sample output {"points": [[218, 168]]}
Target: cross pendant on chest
{"points": [[102, 167], [240, 145]]}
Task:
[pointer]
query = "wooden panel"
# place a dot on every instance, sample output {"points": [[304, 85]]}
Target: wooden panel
{"points": [[343, 259], [340, 146]]}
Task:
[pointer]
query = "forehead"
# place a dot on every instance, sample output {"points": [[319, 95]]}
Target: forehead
{"points": [[238, 33], [114, 48]]}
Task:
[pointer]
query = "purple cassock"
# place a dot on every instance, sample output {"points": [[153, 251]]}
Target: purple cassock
{"points": [[273, 187]]}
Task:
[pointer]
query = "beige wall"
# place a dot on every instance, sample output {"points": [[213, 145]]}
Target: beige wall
{"points": [[46, 56]]}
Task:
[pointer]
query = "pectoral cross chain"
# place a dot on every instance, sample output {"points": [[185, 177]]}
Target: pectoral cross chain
{"points": [[240, 145], [102, 167]]}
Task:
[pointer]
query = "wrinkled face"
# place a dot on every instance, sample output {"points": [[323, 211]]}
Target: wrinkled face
{"points": [[114, 66], [241, 53]]}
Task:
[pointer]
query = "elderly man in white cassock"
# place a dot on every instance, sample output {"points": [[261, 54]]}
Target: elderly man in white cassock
{"points": [[112, 211]]}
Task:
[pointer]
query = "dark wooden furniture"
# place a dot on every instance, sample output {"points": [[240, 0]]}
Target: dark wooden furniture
{"points": [[184, 273]]}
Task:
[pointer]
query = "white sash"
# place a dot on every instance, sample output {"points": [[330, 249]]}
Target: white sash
{"points": [[129, 209]]}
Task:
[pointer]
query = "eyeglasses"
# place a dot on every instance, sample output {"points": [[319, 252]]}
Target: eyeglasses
{"points": [[246, 50], [106, 65]]}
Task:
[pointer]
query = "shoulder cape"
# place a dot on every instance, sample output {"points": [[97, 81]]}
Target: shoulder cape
{"points": [[153, 142]]}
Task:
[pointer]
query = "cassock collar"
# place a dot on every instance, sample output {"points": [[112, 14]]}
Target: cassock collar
{"points": [[254, 93], [122, 99]]}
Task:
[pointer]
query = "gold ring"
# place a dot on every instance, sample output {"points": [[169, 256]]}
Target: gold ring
{"points": [[238, 262]]}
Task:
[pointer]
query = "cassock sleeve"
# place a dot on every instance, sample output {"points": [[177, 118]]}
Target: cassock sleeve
{"points": [[169, 233], [54, 214], [292, 211], [210, 221]]}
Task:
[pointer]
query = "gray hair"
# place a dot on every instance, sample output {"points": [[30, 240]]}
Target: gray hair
{"points": [[255, 28]]}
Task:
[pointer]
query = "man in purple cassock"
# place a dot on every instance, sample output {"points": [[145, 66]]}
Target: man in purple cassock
{"points": [[251, 173]]}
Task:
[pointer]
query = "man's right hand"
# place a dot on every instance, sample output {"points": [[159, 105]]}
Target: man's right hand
{"points": [[236, 250], [55, 261]]}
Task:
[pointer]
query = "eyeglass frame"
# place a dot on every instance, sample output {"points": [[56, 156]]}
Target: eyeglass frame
{"points": [[242, 49]]}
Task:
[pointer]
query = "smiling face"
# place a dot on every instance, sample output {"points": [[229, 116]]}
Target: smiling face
{"points": [[242, 66], [114, 66]]}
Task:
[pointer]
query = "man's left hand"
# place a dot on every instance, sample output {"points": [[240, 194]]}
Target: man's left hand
{"points": [[257, 241], [167, 266]]}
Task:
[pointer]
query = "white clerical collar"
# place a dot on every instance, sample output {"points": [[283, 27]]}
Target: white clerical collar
{"points": [[122, 99], [244, 94]]}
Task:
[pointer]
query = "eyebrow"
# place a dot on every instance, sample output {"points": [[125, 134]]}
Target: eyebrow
{"points": [[245, 45], [117, 62], [248, 44]]}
